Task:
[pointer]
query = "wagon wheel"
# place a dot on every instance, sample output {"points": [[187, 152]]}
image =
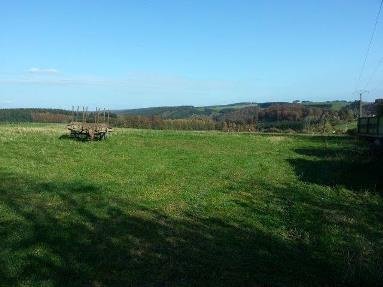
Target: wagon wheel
{"points": [[91, 134]]}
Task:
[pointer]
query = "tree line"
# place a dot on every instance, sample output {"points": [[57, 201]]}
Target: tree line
{"points": [[271, 117]]}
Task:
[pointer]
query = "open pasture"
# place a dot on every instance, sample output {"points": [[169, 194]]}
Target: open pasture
{"points": [[166, 208]]}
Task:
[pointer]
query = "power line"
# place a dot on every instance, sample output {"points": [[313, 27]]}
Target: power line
{"points": [[373, 73], [370, 43]]}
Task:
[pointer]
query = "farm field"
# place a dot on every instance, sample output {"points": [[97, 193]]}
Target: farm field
{"points": [[167, 208]]}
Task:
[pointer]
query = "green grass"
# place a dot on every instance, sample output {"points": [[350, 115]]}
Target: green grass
{"points": [[333, 105], [164, 208], [218, 108], [344, 127]]}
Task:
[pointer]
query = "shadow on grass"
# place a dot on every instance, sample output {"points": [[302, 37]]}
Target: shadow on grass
{"points": [[353, 168], [79, 139], [72, 138], [338, 240], [65, 137], [71, 233]]}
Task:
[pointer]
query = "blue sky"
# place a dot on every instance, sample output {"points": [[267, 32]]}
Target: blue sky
{"points": [[127, 54]]}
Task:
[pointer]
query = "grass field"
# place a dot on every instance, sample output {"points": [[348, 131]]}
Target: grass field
{"points": [[164, 208], [344, 127]]}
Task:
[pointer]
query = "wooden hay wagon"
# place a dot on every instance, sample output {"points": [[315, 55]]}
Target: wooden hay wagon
{"points": [[88, 131], [84, 130]]}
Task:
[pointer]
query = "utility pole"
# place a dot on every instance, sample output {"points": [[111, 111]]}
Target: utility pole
{"points": [[360, 105], [360, 102]]}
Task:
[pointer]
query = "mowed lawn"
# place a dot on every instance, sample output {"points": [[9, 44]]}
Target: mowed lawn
{"points": [[167, 208]]}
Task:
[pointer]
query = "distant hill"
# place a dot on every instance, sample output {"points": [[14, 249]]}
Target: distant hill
{"points": [[230, 106], [298, 115], [333, 105], [184, 112], [177, 112], [34, 114], [19, 115]]}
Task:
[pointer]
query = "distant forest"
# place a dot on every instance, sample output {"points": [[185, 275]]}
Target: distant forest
{"points": [[273, 117]]}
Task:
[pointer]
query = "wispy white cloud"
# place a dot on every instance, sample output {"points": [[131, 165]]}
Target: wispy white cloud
{"points": [[131, 89], [47, 71], [7, 102], [134, 82]]}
